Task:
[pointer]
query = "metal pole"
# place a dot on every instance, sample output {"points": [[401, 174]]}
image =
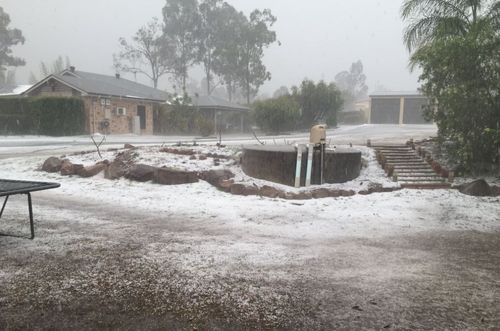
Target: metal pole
{"points": [[4, 203], [30, 208], [322, 146]]}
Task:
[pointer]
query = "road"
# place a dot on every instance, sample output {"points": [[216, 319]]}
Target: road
{"points": [[12, 146]]}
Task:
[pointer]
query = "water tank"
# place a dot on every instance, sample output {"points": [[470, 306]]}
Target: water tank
{"points": [[318, 134]]}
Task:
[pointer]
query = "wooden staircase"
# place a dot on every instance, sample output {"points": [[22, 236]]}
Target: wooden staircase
{"points": [[404, 165]]}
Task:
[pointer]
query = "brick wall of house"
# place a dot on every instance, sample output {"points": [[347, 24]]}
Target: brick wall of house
{"points": [[97, 114]]}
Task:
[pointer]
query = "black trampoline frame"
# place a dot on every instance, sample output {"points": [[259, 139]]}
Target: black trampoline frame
{"points": [[24, 187]]}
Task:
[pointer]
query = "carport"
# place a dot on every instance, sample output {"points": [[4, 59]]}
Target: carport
{"points": [[221, 110]]}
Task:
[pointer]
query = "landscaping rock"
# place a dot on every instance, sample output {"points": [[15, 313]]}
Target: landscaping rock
{"points": [[170, 176], [214, 177], [478, 188], [250, 190], [52, 164], [269, 192], [68, 168], [225, 184], [92, 170], [242, 189], [115, 170], [129, 146], [127, 157], [237, 189], [140, 172], [495, 191], [335, 193], [348, 193], [302, 196], [320, 193], [202, 157]]}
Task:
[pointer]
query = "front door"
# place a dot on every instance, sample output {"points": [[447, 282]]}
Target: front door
{"points": [[141, 112]]}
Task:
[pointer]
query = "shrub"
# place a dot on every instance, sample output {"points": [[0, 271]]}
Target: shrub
{"points": [[461, 77], [55, 116], [277, 115]]}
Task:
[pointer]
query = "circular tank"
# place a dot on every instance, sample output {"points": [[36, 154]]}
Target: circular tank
{"points": [[277, 163]]}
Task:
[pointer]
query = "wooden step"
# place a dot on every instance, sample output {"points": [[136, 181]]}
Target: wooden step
{"points": [[420, 180], [421, 186], [415, 174], [402, 162]]}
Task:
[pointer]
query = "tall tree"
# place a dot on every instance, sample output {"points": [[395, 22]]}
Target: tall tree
{"points": [[282, 91], [352, 83], [8, 38], [211, 23], [319, 102], [256, 36], [8, 77], [149, 53], [430, 20], [55, 67], [227, 56], [182, 31]]}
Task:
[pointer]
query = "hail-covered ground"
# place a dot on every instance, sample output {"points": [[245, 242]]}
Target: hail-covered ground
{"points": [[128, 255]]}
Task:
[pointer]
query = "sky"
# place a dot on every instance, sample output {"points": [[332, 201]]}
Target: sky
{"points": [[319, 38]]}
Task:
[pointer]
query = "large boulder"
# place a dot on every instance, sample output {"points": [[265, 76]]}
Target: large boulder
{"points": [[93, 170], [269, 192], [215, 177], [140, 172], [115, 170], [170, 176], [52, 164], [242, 189], [495, 191], [321, 193], [127, 157], [68, 168], [478, 188]]}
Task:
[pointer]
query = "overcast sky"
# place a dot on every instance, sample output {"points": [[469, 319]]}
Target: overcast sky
{"points": [[319, 38]]}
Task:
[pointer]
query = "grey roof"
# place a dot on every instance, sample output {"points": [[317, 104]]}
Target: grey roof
{"points": [[208, 101], [13, 90], [397, 94], [104, 85]]}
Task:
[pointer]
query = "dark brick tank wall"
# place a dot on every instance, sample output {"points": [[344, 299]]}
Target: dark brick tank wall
{"points": [[277, 164]]}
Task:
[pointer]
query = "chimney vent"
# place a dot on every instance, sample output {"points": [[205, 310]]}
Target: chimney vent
{"points": [[117, 75], [72, 68]]}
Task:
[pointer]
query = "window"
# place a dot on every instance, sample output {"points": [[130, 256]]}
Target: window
{"points": [[121, 111]]}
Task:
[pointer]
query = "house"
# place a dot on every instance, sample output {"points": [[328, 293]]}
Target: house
{"points": [[113, 105], [397, 108]]}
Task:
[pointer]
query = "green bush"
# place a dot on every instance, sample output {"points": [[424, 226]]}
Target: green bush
{"points": [[277, 115], [460, 75], [181, 119], [54, 116]]}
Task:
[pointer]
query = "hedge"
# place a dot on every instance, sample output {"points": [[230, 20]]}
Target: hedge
{"points": [[181, 119], [53, 116]]}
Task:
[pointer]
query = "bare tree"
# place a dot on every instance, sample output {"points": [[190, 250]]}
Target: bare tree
{"points": [[148, 53]]}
